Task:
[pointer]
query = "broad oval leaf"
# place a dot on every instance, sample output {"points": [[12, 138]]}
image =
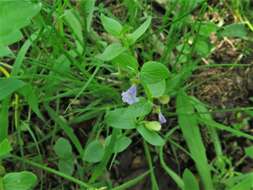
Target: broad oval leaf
{"points": [[111, 51], [94, 152], [157, 89], [154, 72], [203, 47], [5, 148], [8, 86], [133, 37], [125, 118], [249, 152], [10, 38], [150, 136], [63, 148], [111, 25], [121, 118], [5, 51], [66, 166], [205, 28], [14, 15], [121, 144], [140, 109], [127, 62], [233, 30], [19, 181]]}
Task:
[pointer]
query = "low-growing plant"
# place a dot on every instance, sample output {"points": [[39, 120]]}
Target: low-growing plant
{"points": [[80, 86]]}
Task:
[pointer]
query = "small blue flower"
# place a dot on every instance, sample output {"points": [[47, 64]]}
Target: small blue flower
{"points": [[161, 118], [129, 96]]}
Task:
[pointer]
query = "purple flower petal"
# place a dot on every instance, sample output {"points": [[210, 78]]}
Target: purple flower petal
{"points": [[161, 118], [129, 96], [133, 90]]}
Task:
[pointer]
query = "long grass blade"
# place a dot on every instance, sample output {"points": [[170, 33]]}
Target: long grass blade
{"points": [[189, 126]]}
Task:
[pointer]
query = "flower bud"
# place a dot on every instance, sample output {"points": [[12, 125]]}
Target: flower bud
{"points": [[153, 125], [164, 99]]}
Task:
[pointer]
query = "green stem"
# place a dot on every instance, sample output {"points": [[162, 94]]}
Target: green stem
{"points": [[178, 180], [149, 160], [169, 171], [1, 184], [16, 123], [216, 141], [53, 171]]}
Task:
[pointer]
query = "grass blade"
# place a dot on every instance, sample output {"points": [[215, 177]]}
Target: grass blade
{"points": [[132, 182], [189, 126], [4, 122], [66, 128], [21, 54]]}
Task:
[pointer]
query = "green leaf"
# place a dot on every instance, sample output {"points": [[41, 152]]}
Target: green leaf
{"points": [[204, 114], [19, 181], [133, 37], [4, 121], [14, 15], [229, 129], [63, 148], [101, 167], [122, 142], [249, 151], [111, 26], [140, 109], [153, 72], [66, 166], [150, 136], [245, 184], [132, 182], [8, 86], [157, 89], [10, 38], [190, 182], [94, 152], [75, 25], [127, 62], [22, 52], [5, 148], [125, 118], [189, 125], [203, 47], [111, 51], [176, 81], [206, 28], [233, 30], [89, 7], [121, 118], [241, 182], [62, 123], [5, 51]]}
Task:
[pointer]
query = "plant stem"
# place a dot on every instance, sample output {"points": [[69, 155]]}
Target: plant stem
{"points": [[149, 160], [53, 171]]}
